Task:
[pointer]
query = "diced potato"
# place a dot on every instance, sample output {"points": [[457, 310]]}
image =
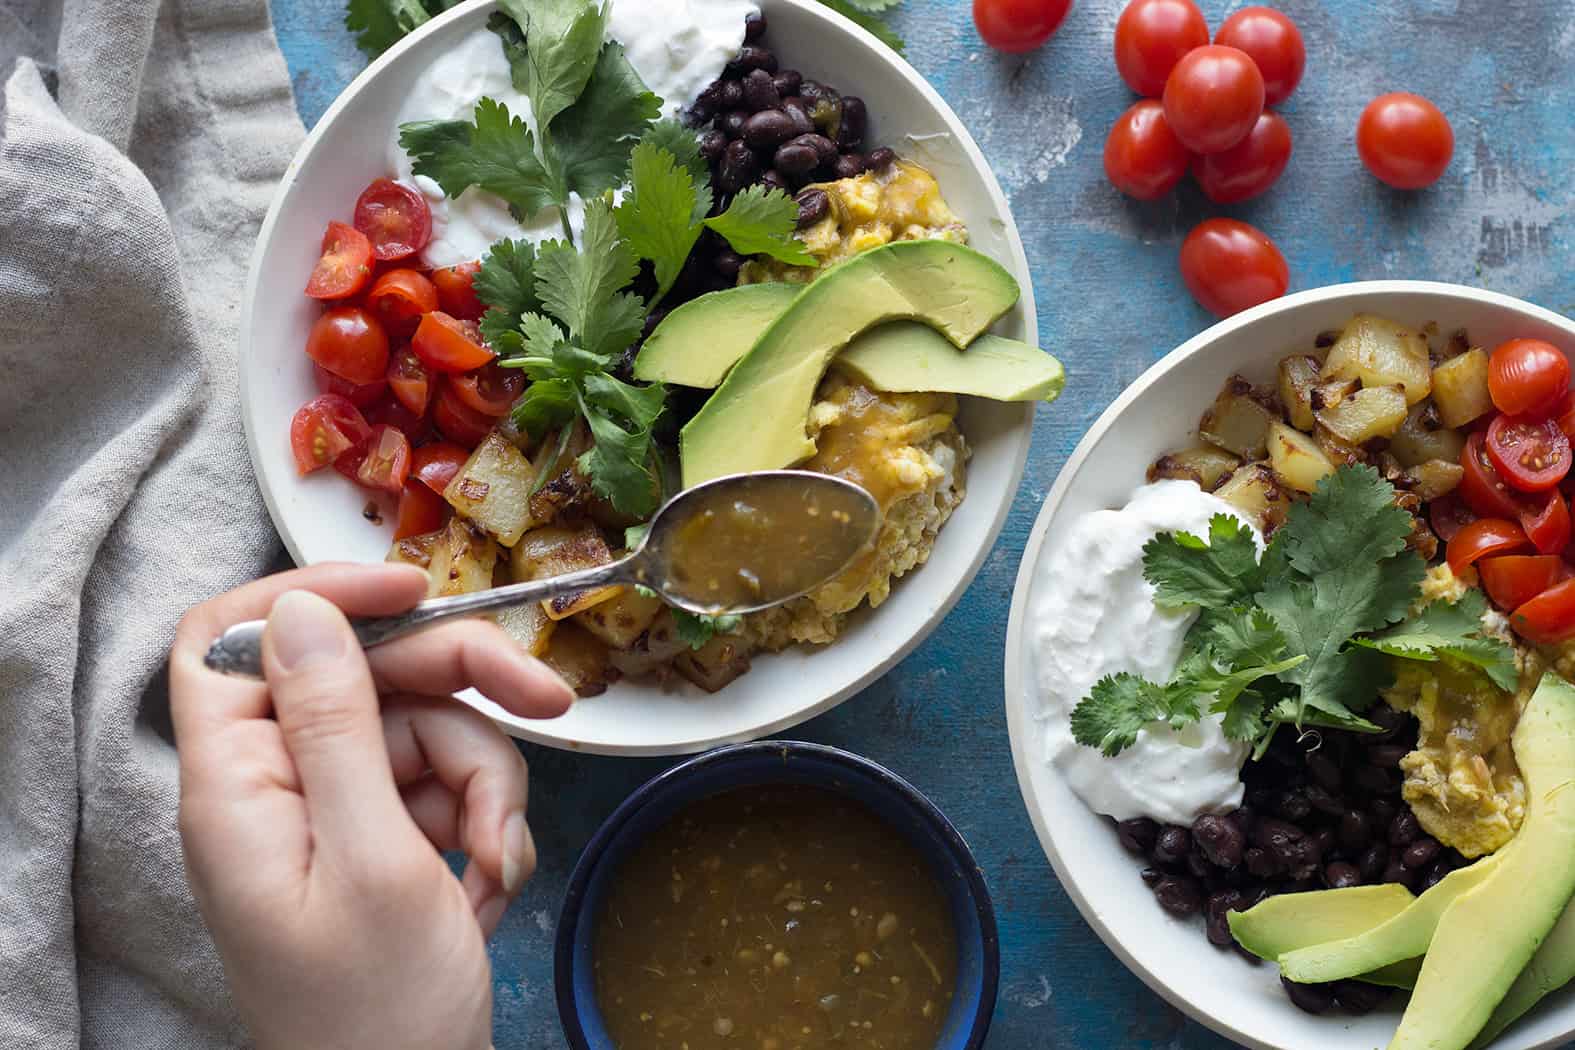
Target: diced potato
{"points": [[1460, 388], [1299, 375], [1203, 464], [1371, 412], [1340, 452], [1237, 421], [529, 625], [1424, 437], [654, 651], [1380, 352], [620, 621], [1296, 458], [579, 658], [1255, 491], [415, 550], [1432, 479], [555, 550], [492, 489], [466, 556], [715, 663], [1331, 392]]}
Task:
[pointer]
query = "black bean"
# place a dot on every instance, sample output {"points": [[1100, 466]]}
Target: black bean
{"points": [[1172, 845], [854, 122], [881, 159], [760, 92], [1404, 829], [795, 158], [768, 129], [1421, 853], [1340, 875], [1374, 780], [1359, 997], [1216, 924], [1373, 861], [712, 143], [731, 123], [727, 263], [1263, 798], [1386, 755], [1313, 998], [1324, 771], [1323, 801], [814, 205], [1293, 806], [738, 168], [1137, 834], [1398, 872], [1433, 876], [1356, 831], [787, 82], [1326, 840], [798, 111], [754, 27], [813, 91], [775, 180], [849, 166], [1383, 811], [825, 149], [1244, 819], [1221, 841], [1151, 876], [1260, 862], [1178, 895], [753, 56], [1300, 858], [732, 96], [1270, 833], [654, 318]]}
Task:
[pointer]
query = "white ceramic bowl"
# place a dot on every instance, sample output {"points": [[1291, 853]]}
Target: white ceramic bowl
{"points": [[1156, 414], [319, 517]]}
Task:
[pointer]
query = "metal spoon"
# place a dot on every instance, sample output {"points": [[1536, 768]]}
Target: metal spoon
{"points": [[830, 522]]}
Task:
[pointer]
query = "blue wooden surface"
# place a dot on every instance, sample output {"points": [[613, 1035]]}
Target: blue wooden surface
{"points": [[1110, 303]]}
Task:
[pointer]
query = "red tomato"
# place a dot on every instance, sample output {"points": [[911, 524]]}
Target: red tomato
{"points": [[399, 298], [1527, 377], [1251, 166], [418, 429], [358, 394], [410, 381], [449, 345], [1483, 537], [382, 463], [324, 429], [1151, 37], [344, 266], [1213, 98], [456, 296], [1549, 618], [436, 464], [1547, 524], [1448, 515], [1230, 266], [457, 421], [1511, 580], [420, 510], [1274, 44], [395, 219], [1481, 487], [1404, 140], [490, 389], [1143, 157], [348, 341], [1562, 413], [1018, 25], [1531, 455]]}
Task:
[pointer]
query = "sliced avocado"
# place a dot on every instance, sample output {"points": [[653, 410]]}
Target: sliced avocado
{"points": [[698, 342], [1290, 921], [757, 419], [907, 357], [1549, 970], [1487, 936]]}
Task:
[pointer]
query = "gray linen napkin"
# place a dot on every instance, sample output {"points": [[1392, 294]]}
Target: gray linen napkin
{"points": [[139, 145]]}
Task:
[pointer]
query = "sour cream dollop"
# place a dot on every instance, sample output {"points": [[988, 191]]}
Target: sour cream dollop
{"points": [[676, 46], [1092, 614]]}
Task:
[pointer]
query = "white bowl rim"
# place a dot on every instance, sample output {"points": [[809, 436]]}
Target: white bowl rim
{"points": [[1020, 736], [1017, 264]]}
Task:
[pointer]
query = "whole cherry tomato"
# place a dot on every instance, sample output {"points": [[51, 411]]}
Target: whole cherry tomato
{"points": [[1404, 140], [1143, 157], [1275, 45], [1018, 25], [1151, 37], [1532, 455], [1229, 266], [349, 342], [1213, 98], [1251, 166], [1527, 377]]}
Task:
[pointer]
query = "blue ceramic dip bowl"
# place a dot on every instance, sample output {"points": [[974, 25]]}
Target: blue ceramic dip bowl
{"points": [[879, 790]]}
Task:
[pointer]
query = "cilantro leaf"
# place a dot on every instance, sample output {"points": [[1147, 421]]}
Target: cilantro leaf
{"points": [[696, 630], [863, 13], [1186, 571], [1317, 618], [1350, 517], [592, 139], [1244, 718], [506, 282], [640, 405], [617, 464], [497, 153], [1114, 711], [545, 405], [581, 288], [561, 39], [684, 145], [657, 217], [1454, 630], [379, 24], [761, 221], [1289, 712]]}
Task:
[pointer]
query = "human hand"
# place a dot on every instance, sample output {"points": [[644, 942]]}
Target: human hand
{"points": [[312, 815]]}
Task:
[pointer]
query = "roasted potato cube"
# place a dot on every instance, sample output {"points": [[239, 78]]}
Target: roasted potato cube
{"points": [[1330, 393], [579, 657], [716, 663], [529, 625], [1340, 452], [1296, 458], [1380, 352], [1424, 437], [416, 550], [621, 620], [1254, 490], [492, 489], [1460, 388], [1237, 421], [555, 550], [466, 556], [1299, 376], [1203, 464], [1371, 412], [1432, 479], [654, 651]]}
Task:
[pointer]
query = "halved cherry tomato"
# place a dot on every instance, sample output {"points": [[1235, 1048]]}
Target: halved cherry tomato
{"points": [[384, 462], [1143, 157], [395, 218], [457, 421], [358, 394], [349, 342], [1549, 618], [399, 298], [1531, 455], [449, 345], [1229, 266], [1448, 515], [420, 510], [1527, 377], [456, 295], [1213, 98], [345, 265], [1251, 166], [1483, 537], [324, 429], [1018, 25], [490, 389], [410, 381], [1563, 415], [1152, 36], [1547, 524], [1511, 580], [1404, 140], [1275, 45], [418, 429], [1481, 487], [436, 464]]}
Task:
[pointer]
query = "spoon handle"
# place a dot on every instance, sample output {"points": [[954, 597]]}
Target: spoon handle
{"points": [[238, 651]]}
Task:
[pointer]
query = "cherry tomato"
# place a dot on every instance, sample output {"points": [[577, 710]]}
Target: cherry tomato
{"points": [[1481, 487], [1527, 377], [1530, 455], [1251, 166], [1213, 98], [382, 463], [1511, 580], [447, 344], [349, 342], [457, 421], [1483, 537], [1404, 140], [456, 295], [358, 394], [1151, 37], [1018, 25], [436, 464], [420, 510], [345, 265], [399, 298], [324, 429], [1549, 618], [490, 389], [1562, 413], [1229, 266], [418, 429], [1274, 44], [1547, 523], [1448, 515], [395, 218], [1143, 157], [410, 380]]}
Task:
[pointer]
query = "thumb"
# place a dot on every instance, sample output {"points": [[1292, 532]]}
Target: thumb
{"points": [[327, 709]]}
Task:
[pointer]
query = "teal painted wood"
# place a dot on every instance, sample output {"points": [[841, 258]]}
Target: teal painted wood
{"points": [[1110, 303]]}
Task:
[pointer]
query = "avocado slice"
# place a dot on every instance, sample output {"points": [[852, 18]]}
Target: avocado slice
{"points": [[907, 357], [699, 341], [1549, 970], [1290, 921], [757, 419], [1487, 936]]}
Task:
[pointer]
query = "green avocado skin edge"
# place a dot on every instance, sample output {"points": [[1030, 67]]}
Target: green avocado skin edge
{"points": [[1551, 968]]}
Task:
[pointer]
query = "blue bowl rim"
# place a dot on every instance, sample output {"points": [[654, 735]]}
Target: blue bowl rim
{"points": [[596, 848]]}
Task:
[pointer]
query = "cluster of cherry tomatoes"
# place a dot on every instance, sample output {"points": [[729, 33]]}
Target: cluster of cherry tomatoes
{"points": [[409, 386], [1510, 515]]}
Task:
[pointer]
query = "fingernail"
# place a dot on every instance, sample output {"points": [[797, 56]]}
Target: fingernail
{"points": [[303, 628], [490, 914], [517, 851]]}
